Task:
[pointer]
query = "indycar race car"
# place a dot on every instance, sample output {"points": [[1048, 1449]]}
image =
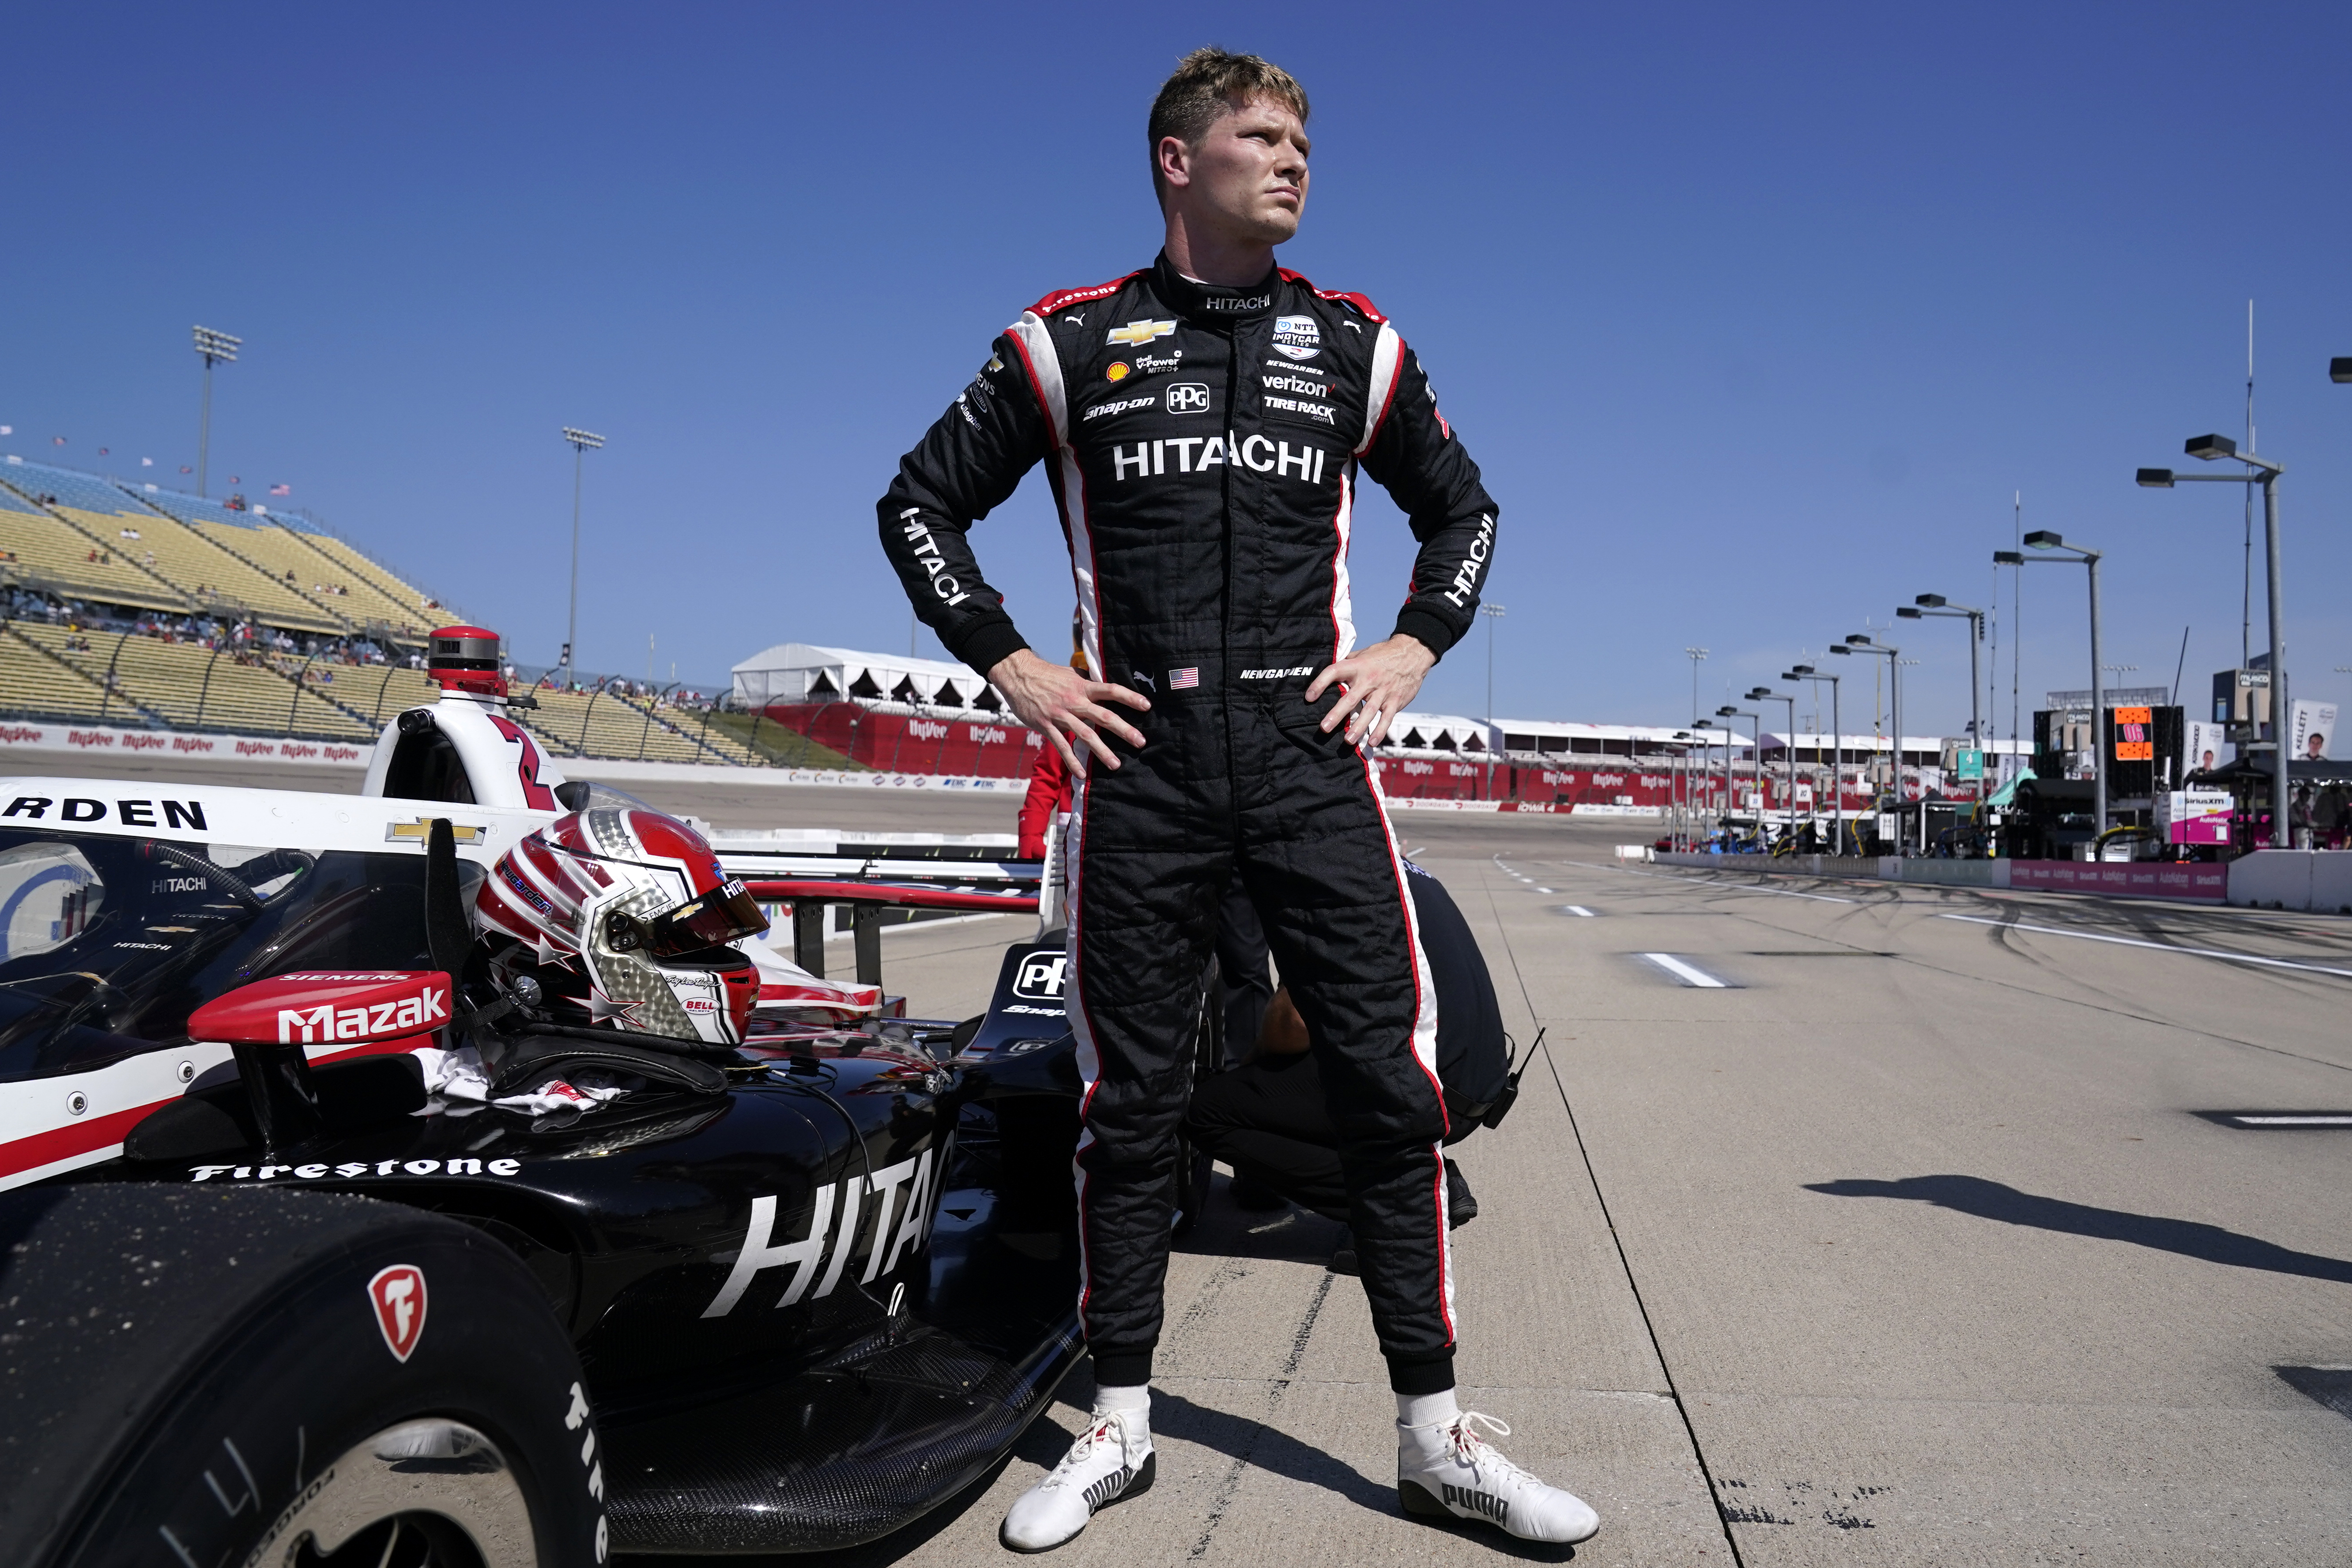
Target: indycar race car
{"points": [[451, 1175]]}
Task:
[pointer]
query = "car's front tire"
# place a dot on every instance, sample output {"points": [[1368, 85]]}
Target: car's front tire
{"points": [[200, 1376]]}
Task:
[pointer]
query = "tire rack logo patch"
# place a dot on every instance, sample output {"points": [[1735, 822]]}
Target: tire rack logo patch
{"points": [[397, 1294], [1041, 977]]}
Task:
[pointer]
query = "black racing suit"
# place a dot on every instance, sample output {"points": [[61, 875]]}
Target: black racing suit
{"points": [[1203, 444]]}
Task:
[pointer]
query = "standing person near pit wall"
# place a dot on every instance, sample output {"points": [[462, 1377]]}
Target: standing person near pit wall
{"points": [[1203, 421]]}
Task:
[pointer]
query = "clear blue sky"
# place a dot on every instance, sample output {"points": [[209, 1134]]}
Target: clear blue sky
{"points": [[1755, 316]]}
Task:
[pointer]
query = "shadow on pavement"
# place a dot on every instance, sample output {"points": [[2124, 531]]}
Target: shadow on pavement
{"points": [[2330, 1385], [1992, 1200]]}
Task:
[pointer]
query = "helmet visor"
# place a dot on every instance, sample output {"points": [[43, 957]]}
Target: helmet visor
{"points": [[725, 914]]}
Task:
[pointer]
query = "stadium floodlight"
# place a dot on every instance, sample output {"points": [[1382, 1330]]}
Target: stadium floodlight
{"points": [[1907, 612], [217, 348], [2263, 472], [2083, 556], [2339, 370], [582, 442], [1931, 601], [2007, 558], [1837, 748]]}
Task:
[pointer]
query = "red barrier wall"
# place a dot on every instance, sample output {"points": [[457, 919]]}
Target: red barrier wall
{"points": [[900, 742]]}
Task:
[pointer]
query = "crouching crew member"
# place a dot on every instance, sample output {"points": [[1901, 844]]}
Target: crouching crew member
{"points": [[1268, 1118]]}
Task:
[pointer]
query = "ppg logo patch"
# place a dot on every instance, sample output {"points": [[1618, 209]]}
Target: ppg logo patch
{"points": [[1187, 397], [1040, 977]]}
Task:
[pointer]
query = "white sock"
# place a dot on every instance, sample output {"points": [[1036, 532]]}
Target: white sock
{"points": [[1427, 1409], [1132, 1400]]}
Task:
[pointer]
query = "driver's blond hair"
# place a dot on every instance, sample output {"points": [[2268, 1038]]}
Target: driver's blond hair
{"points": [[1208, 85]]}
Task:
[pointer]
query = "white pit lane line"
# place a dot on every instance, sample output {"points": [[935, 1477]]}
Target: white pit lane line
{"points": [[1576, 910], [2293, 1120], [2159, 946], [1686, 974]]}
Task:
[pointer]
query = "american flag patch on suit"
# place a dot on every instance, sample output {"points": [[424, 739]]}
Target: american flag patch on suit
{"points": [[1184, 679]]}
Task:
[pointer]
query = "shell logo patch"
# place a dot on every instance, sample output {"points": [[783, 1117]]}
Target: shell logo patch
{"points": [[1119, 371], [1142, 332], [397, 1294]]}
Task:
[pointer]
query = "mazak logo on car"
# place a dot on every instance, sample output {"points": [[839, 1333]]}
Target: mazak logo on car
{"points": [[1041, 977], [397, 1294], [1187, 397]]}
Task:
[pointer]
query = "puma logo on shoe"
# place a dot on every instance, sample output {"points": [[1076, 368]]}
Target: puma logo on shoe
{"points": [[1487, 1503], [1107, 1488]]}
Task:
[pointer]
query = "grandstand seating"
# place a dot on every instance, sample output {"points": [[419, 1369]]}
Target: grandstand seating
{"points": [[406, 604], [184, 684], [33, 685], [213, 577], [597, 724], [286, 555], [44, 554]]}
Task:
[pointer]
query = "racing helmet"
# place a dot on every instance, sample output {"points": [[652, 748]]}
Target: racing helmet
{"points": [[625, 914]]}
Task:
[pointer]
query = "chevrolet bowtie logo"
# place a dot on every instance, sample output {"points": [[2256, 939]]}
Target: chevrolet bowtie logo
{"points": [[1142, 332], [415, 832]]}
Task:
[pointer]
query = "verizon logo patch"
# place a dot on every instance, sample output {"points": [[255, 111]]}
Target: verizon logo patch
{"points": [[397, 1294]]}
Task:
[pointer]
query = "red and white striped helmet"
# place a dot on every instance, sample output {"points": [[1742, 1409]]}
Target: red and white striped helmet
{"points": [[626, 913]]}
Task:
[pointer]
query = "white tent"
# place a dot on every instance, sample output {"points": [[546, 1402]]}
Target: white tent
{"points": [[804, 672], [1437, 733], [1554, 737]]}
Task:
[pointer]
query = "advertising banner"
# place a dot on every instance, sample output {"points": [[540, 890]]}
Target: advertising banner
{"points": [[2314, 724], [2203, 746]]}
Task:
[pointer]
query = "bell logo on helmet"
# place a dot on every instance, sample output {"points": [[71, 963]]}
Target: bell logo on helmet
{"points": [[397, 1294]]}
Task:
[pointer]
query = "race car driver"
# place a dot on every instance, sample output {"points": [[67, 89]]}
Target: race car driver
{"points": [[1202, 421]]}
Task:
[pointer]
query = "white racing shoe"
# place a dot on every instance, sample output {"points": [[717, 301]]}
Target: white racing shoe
{"points": [[1450, 1472], [1110, 1461]]}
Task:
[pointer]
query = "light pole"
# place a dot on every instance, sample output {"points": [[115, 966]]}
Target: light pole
{"points": [[1860, 643], [1697, 656], [217, 348], [1927, 604], [2045, 539], [1837, 753], [1725, 712], [1789, 758], [582, 442], [1756, 736], [1490, 614], [2208, 448]]}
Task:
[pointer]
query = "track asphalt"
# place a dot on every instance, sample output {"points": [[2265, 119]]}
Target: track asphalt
{"points": [[1925, 1237]]}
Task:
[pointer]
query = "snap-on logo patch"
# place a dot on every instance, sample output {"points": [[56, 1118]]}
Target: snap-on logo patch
{"points": [[397, 1294]]}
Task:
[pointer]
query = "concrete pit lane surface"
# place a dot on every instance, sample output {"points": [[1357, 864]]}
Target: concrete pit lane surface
{"points": [[1918, 1239]]}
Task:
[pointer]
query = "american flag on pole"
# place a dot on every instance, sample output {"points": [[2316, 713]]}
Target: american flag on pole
{"points": [[281, 489], [1184, 679]]}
